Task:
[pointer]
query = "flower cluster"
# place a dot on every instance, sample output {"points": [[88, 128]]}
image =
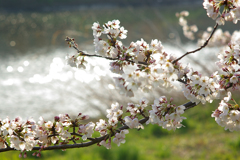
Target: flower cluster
{"points": [[113, 30], [230, 11], [228, 115], [120, 137], [229, 61], [165, 114], [114, 116], [188, 31], [76, 60], [24, 135], [86, 130], [200, 88]]}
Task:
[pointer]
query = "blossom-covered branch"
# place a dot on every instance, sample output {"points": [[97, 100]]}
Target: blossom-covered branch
{"points": [[27, 140], [138, 67], [73, 44]]}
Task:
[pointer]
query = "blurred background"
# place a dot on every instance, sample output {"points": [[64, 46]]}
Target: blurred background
{"points": [[35, 80]]}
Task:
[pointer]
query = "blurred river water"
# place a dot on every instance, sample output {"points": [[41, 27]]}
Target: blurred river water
{"points": [[34, 78]]}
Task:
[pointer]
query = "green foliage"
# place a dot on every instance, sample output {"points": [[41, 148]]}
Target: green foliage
{"points": [[127, 153], [104, 153], [235, 144], [157, 131]]}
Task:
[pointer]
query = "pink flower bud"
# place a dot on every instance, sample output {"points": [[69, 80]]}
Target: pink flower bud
{"points": [[25, 155], [39, 154], [56, 118]]}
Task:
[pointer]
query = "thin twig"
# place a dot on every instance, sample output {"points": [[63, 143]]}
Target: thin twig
{"points": [[204, 45], [109, 58]]}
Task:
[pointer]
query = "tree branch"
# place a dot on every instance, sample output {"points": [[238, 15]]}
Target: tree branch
{"points": [[93, 140], [109, 58], [74, 45], [198, 49]]}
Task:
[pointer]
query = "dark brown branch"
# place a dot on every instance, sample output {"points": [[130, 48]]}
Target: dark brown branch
{"points": [[86, 144], [79, 135], [93, 140], [198, 49], [190, 105], [182, 81]]}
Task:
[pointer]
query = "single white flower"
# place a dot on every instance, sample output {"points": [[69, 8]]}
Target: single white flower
{"points": [[49, 124], [132, 123], [119, 137], [180, 109], [234, 79]]}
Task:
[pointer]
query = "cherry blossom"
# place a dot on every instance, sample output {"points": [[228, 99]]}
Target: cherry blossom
{"points": [[227, 115], [230, 11], [132, 123], [141, 67], [86, 130], [119, 137]]}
